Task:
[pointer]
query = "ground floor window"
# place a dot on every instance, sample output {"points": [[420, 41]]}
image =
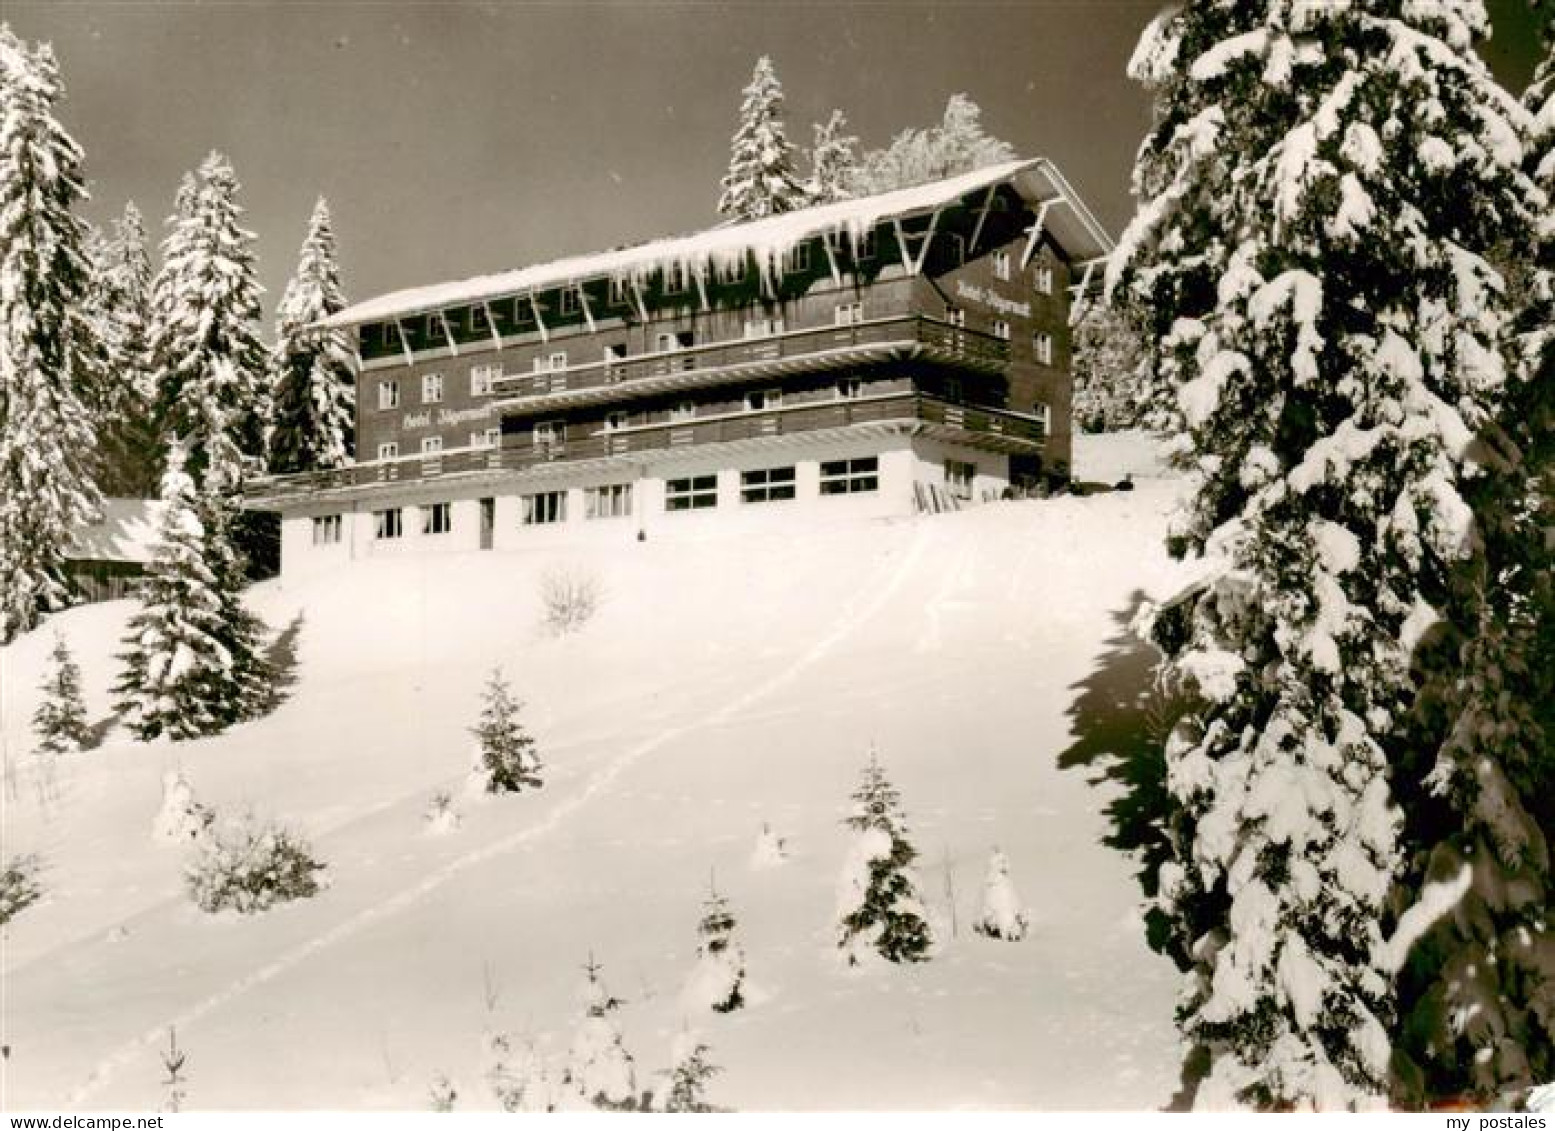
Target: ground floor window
{"points": [[437, 518], [326, 529], [695, 493], [546, 507], [849, 476], [389, 523], [767, 485], [613, 500], [389, 449], [958, 478]]}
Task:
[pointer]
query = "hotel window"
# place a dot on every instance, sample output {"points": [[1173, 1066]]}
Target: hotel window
{"points": [[763, 400], [613, 500], [865, 249], [767, 485], [763, 327], [685, 410], [958, 478], [481, 378], [674, 280], [389, 449], [1044, 279], [431, 388], [545, 508], [388, 524], [437, 518], [732, 272], [850, 476], [550, 433], [431, 445], [956, 317], [615, 421], [569, 300], [484, 439], [797, 260], [523, 312], [551, 363], [1001, 265], [617, 292], [475, 320], [388, 394], [1042, 348], [849, 388], [326, 529], [696, 493], [1001, 329], [1042, 413], [847, 313]]}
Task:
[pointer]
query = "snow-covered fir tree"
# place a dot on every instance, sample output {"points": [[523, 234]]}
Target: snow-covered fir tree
{"points": [[599, 1069], [312, 372], [60, 720], [958, 144], [763, 179], [718, 979], [1001, 915], [878, 904], [506, 758], [833, 161], [180, 819], [47, 444], [689, 1074], [125, 406], [1318, 198], [1112, 389], [192, 662], [210, 363]]}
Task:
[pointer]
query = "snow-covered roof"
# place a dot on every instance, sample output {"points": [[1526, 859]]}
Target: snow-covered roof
{"points": [[768, 239], [127, 533]]}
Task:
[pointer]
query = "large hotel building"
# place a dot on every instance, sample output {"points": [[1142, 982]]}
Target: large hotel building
{"points": [[870, 358]]}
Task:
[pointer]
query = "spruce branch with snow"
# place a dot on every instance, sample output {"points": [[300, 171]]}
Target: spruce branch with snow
{"points": [[762, 179], [833, 161], [60, 720], [878, 904], [1112, 385], [507, 759], [47, 350], [192, 662], [20, 886], [1320, 197], [689, 1074], [312, 371]]}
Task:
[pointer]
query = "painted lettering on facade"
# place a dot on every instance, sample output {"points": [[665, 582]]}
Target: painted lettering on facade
{"points": [[994, 302], [447, 417]]}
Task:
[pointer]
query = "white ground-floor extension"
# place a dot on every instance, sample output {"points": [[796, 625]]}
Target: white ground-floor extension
{"points": [[849, 475]]}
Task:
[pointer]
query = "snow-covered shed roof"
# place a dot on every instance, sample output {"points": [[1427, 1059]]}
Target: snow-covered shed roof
{"points": [[768, 239], [127, 533]]}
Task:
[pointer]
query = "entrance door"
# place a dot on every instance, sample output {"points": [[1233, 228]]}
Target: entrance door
{"points": [[488, 521]]}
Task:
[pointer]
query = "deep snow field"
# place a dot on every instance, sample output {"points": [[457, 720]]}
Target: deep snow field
{"points": [[723, 683]]}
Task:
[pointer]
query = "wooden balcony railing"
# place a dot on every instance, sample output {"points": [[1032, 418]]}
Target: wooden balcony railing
{"points": [[750, 357], [979, 426]]}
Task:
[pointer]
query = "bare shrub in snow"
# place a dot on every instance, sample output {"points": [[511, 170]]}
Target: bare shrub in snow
{"points": [[517, 1076], [1002, 916], [19, 886], [181, 819], [878, 904], [599, 1068], [441, 818], [250, 866], [441, 1094], [506, 759], [173, 1085], [569, 596], [771, 850], [716, 982]]}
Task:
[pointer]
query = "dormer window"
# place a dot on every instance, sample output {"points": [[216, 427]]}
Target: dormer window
{"points": [[617, 292], [797, 260], [674, 280], [1044, 280], [570, 301]]}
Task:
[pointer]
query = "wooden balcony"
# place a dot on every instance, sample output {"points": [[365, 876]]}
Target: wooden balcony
{"points": [[986, 428], [727, 363]]}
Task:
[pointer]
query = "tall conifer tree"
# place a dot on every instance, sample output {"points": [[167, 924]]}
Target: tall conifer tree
{"points": [[46, 438], [126, 399], [1318, 200], [762, 178], [312, 372]]}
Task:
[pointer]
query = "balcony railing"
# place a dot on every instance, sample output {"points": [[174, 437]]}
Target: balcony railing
{"points": [[605, 380], [981, 427]]}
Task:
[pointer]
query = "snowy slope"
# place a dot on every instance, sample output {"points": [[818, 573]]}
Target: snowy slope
{"points": [[725, 683]]}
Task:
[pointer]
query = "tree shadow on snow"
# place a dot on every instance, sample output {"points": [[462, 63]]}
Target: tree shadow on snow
{"points": [[281, 662], [1119, 721]]}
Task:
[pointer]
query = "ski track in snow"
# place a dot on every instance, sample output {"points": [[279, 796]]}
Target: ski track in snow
{"points": [[855, 615]]}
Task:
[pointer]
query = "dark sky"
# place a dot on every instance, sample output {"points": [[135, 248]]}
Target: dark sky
{"points": [[457, 138]]}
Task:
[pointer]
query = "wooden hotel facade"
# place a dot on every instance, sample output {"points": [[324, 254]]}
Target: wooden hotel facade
{"points": [[873, 357]]}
